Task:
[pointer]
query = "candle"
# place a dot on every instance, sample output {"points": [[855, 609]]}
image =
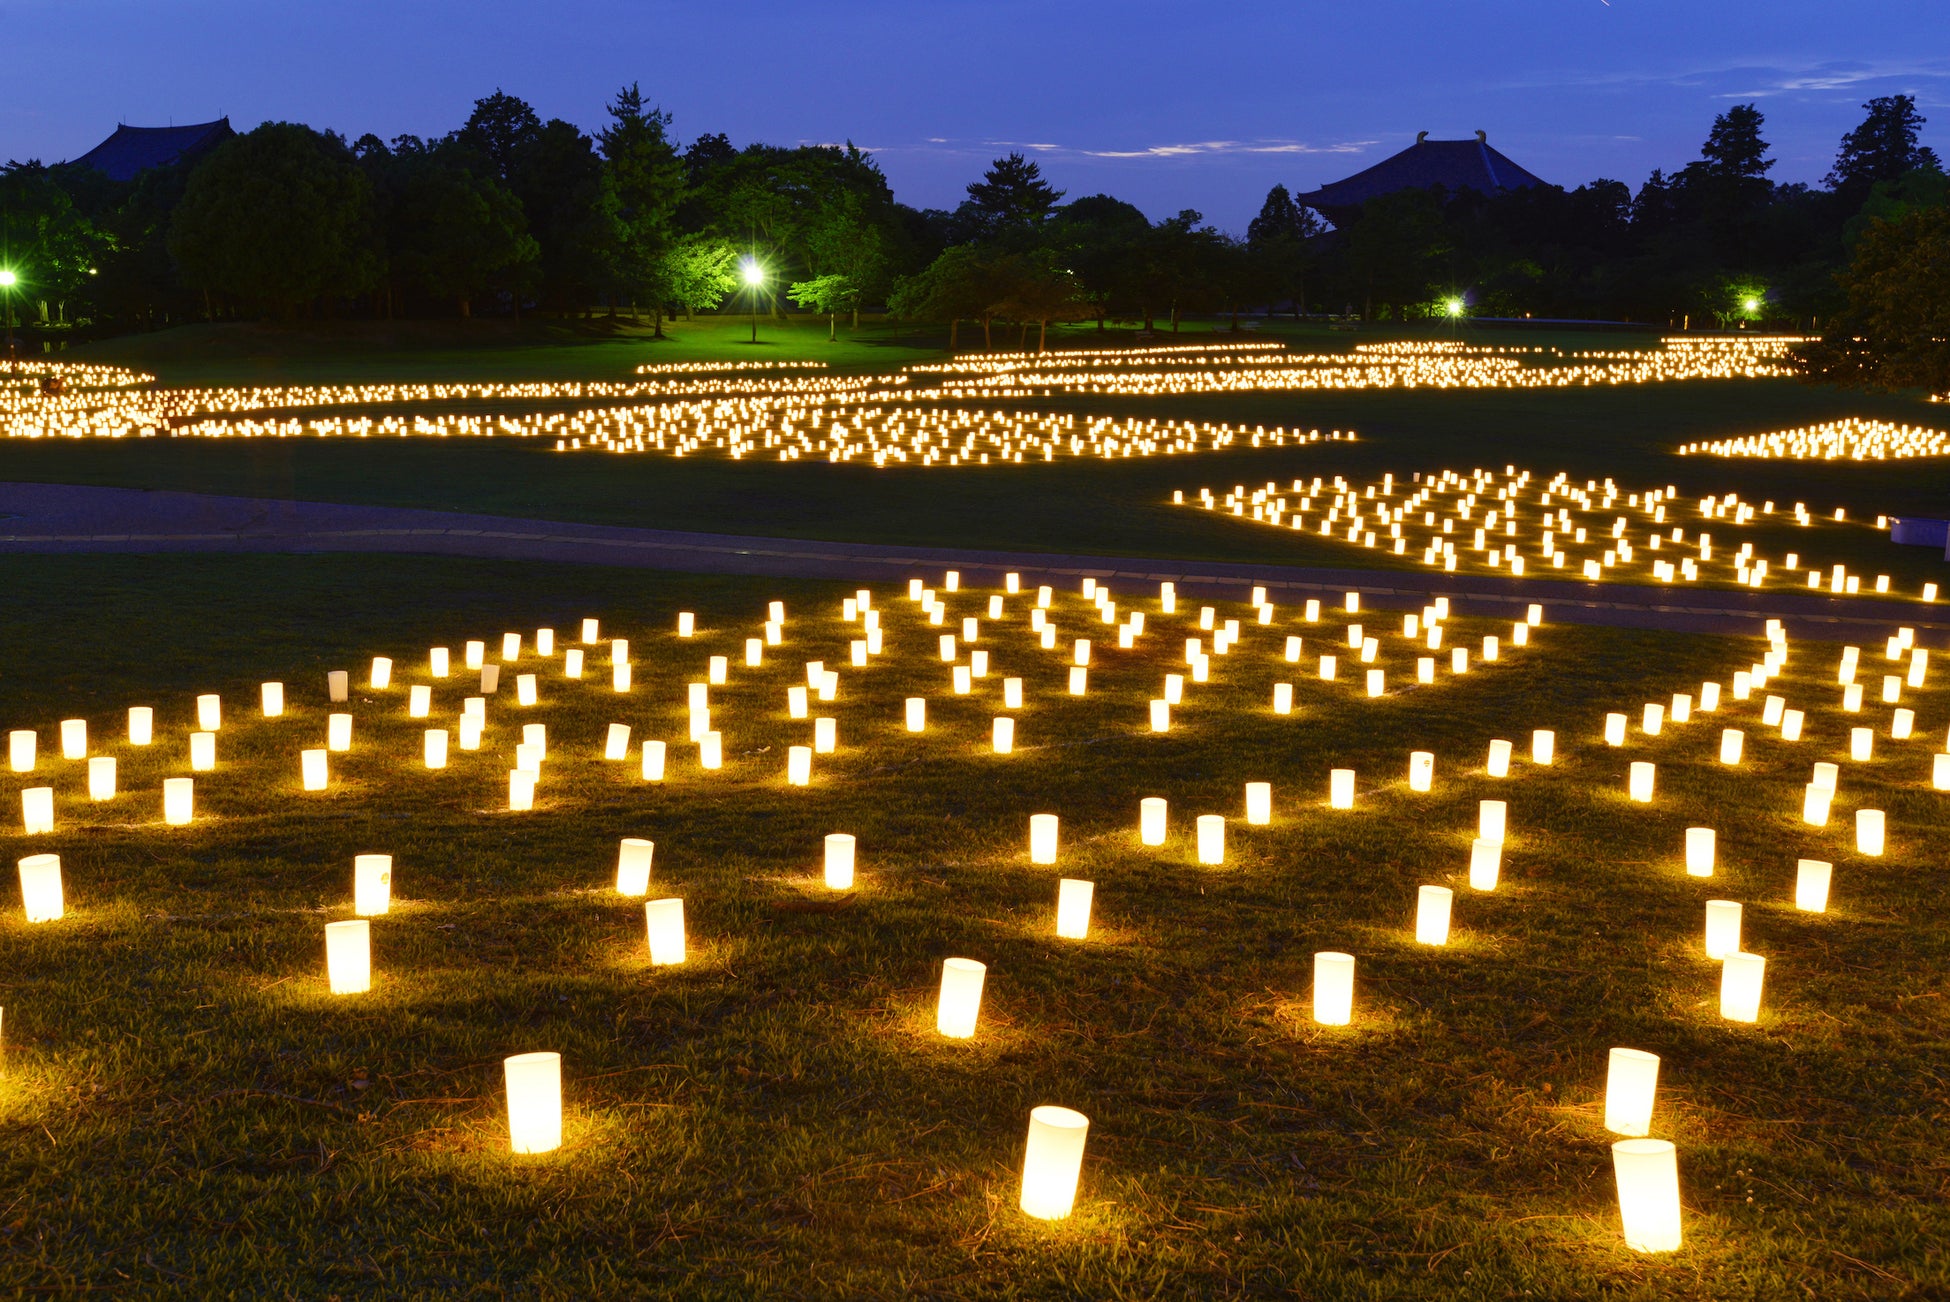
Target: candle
{"points": [[1052, 1162], [961, 997], [1333, 988]]}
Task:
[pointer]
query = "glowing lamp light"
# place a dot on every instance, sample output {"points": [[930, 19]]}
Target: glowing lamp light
{"points": [[372, 884], [1722, 928], [1811, 878], [142, 725], [1421, 769], [209, 712], [1868, 831], [1543, 746], [1814, 804], [961, 997], [1012, 693], [203, 752], [1499, 761], [534, 1102], [1002, 735], [1614, 729], [826, 735], [37, 810], [1432, 915], [74, 739], [338, 732], [1647, 1171], [1079, 680], [1259, 803], [521, 790], [1485, 863], [710, 750], [511, 646], [1377, 683], [525, 689], [1333, 988], [1732, 740], [798, 766], [917, 714], [101, 777], [1631, 1085], [40, 887], [1861, 742], [1340, 788], [1640, 782], [1654, 720], [311, 768], [663, 922], [1151, 820], [1827, 775], [1791, 721], [179, 801], [1073, 898], [382, 673], [1160, 715], [348, 956], [1700, 844], [1052, 1162], [1211, 839], [1042, 838], [419, 701], [1490, 818], [839, 861], [1741, 976]]}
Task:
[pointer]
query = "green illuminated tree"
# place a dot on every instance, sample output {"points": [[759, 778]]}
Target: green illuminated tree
{"points": [[646, 177]]}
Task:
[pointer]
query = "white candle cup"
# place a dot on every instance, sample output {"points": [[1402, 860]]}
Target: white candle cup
{"points": [[1491, 817], [74, 739], [1259, 803], [525, 689], [798, 766], [1002, 734], [338, 732], [664, 927], [419, 701], [1485, 864], [1211, 839], [1811, 879], [1722, 928], [1340, 788], [686, 623], [1421, 770], [826, 735], [209, 712], [142, 725], [470, 731], [1631, 1086], [1654, 721], [372, 884], [203, 752], [179, 801], [1814, 804], [1868, 831], [1861, 744], [1073, 900], [1042, 838], [710, 750], [510, 646], [1333, 988], [653, 761], [348, 957], [840, 848], [1543, 746], [1741, 977], [1079, 680], [40, 888], [1640, 784], [1647, 1171], [534, 1102], [591, 633], [490, 680], [1700, 851], [633, 866], [1151, 820], [1614, 729], [917, 714], [960, 1004], [101, 777], [338, 686], [1432, 904], [521, 790], [1052, 1162], [1499, 761], [1732, 742]]}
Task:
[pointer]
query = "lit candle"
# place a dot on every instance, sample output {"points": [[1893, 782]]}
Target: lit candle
{"points": [[1259, 803], [1811, 880], [372, 884], [1631, 1084], [839, 861], [1073, 898], [534, 1102], [961, 997], [1042, 838], [1052, 1162], [1340, 788], [1151, 820], [1543, 746], [348, 957], [179, 796], [1485, 864], [1722, 928], [633, 866], [1640, 784], [1211, 839], [1333, 988], [40, 887], [1432, 915], [1868, 831], [1490, 815], [101, 777], [1647, 1171], [1731, 742], [664, 925], [1700, 844]]}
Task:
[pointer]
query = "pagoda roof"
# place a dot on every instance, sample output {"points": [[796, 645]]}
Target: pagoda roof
{"points": [[1451, 164], [134, 150]]}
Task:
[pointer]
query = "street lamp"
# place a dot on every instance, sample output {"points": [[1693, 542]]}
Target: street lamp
{"points": [[7, 282], [754, 277], [1455, 306], [1752, 305]]}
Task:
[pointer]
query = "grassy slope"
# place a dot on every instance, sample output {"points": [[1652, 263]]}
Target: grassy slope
{"points": [[185, 1105]]}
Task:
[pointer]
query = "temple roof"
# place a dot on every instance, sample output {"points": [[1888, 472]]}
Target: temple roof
{"points": [[1452, 164], [134, 150]]}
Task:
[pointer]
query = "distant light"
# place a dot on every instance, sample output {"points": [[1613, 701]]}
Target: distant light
{"points": [[1753, 305], [7, 278], [1455, 306], [754, 274]]}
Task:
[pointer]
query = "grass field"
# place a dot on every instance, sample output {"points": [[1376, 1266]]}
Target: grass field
{"points": [[188, 1109]]}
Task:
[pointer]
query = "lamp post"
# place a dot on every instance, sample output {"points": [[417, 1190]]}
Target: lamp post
{"points": [[754, 277], [7, 282]]}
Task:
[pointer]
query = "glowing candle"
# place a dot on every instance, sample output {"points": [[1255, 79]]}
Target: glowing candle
{"points": [[1340, 788], [490, 678], [1377, 682], [1174, 689], [961, 997], [1826, 776], [664, 926], [1211, 839], [686, 623], [1490, 815], [1432, 915], [534, 1102], [209, 712], [142, 725], [348, 956], [1012, 693], [521, 790], [1052, 1162], [74, 739], [1731, 741], [1151, 820], [1771, 711], [1654, 721], [1811, 880], [798, 766], [1614, 729], [338, 685], [1631, 1085], [826, 735], [511, 646], [1042, 838], [1791, 725], [710, 750], [963, 680], [203, 752], [1002, 739], [101, 777], [1814, 804], [1421, 769], [1940, 773], [1648, 1193], [312, 767], [1722, 928], [179, 798], [1499, 761], [470, 730], [1327, 668], [1700, 847], [1741, 976], [1861, 742], [917, 714], [1485, 863], [1901, 724], [1682, 707], [1079, 680], [1333, 988], [839, 861], [1543, 746], [590, 634], [40, 888], [1283, 698], [1868, 831], [525, 689], [1259, 803]]}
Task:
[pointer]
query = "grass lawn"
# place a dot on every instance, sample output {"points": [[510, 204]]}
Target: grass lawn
{"points": [[187, 1107]]}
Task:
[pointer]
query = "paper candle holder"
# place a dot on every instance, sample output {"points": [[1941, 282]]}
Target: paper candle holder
{"points": [[372, 884], [1052, 1161], [960, 1002], [1333, 988], [534, 1083]]}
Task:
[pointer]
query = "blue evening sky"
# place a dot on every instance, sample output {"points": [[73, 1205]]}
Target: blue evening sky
{"points": [[1169, 105]]}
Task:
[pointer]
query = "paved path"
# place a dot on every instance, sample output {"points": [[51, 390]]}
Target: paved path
{"points": [[57, 518]]}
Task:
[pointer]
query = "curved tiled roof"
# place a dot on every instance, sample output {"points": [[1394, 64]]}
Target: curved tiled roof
{"points": [[1452, 164], [134, 150]]}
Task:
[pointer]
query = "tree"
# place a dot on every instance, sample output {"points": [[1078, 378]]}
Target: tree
{"points": [[1394, 247], [1011, 198], [571, 211], [830, 295], [278, 217], [958, 285], [1895, 331], [463, 234], [700, 271], [1277, 248], [497, 130], [1032, 287], [1734, 151], [1098, 238], [646, 176], [1883, 147], [49, 244]]}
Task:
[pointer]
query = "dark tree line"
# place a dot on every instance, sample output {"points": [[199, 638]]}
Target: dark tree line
{"points": [[509, 213]]}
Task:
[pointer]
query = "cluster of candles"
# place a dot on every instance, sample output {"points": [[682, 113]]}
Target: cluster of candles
{"points": [[718, 368], [964, 644], [1853, 439], [1513, 525], [1413, 365]]}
